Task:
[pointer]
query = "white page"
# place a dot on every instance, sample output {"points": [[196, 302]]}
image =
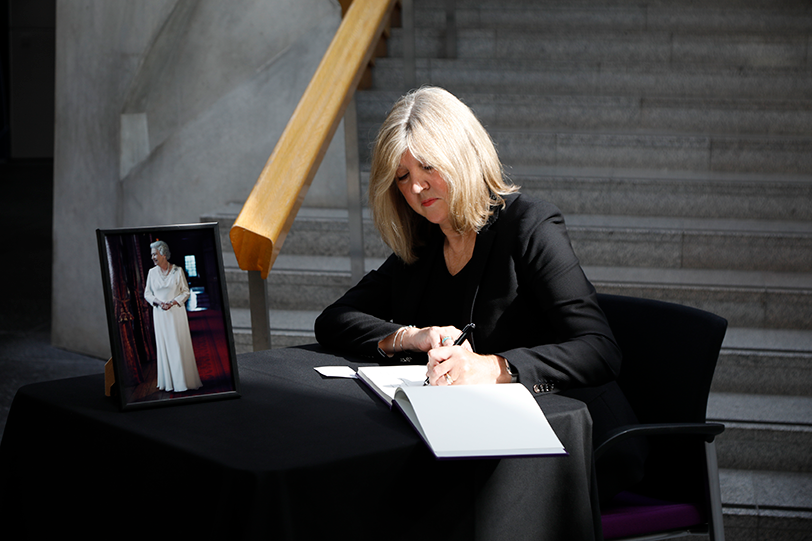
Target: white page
{"points": [[386, 379], [481, 420]]}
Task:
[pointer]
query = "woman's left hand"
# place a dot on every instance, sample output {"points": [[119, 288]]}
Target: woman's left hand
{"points": [[456, 365]]}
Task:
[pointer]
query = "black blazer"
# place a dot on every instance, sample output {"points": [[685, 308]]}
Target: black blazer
{"points": [[526, 293], [532, 304]]}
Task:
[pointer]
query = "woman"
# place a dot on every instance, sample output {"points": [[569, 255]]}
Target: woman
{"points": [[167, 292], [469, 248]]}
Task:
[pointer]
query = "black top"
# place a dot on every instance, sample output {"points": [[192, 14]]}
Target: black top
{"points": [[445, 304]]}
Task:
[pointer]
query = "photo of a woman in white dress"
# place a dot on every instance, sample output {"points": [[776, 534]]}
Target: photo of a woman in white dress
{"points": [[167, 291]]}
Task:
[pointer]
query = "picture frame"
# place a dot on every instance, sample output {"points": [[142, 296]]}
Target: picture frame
{"points": [[170, 344]]}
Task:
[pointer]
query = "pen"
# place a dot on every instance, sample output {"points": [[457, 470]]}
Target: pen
{"points": [[466, 332]]}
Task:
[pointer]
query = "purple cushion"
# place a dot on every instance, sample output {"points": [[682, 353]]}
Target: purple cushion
{"points": [[632, 514]]}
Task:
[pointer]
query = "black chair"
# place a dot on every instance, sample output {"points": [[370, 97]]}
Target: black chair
{"points": [[669, 356]]}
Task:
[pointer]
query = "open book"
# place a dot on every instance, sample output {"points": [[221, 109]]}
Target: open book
{"points": [[385, 380], [467, 420]]}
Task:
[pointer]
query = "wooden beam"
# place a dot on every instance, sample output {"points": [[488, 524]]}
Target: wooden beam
{"points": [[261, 227]]}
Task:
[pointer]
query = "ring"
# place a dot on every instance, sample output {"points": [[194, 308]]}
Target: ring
{"points": [[448, 379], [444, 339]]}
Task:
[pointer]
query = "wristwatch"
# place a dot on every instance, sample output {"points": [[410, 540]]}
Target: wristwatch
{"points": [[514, 377]]}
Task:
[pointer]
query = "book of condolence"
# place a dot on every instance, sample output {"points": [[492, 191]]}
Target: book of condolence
{"points": [[466, 421]]}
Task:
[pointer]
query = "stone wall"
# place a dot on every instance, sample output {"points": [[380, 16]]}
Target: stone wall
{"points": [[165, 110]]}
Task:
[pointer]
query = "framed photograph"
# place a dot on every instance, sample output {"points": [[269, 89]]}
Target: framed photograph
{"points": [[167, 314]]}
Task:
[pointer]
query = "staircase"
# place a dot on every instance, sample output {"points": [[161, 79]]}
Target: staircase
{"points": [[676, 137]]}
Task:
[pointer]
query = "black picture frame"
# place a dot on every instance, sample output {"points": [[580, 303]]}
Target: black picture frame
{"points": [[140, 356]]}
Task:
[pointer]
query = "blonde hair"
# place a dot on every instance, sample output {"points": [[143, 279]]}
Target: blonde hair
{"points": [[441, 131]]}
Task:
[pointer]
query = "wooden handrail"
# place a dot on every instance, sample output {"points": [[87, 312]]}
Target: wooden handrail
{"points": [[267, 216]]}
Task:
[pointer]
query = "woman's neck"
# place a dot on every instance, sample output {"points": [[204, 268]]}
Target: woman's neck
{"points": [[458, 249]]}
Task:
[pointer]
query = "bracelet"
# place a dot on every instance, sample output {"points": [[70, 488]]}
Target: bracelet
{"points": [[395, 339], [401, 336]]}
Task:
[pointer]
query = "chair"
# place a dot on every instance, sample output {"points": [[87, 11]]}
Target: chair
{"points": [[669, 355]]}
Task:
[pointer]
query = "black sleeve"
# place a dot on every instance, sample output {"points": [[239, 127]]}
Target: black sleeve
{"points": [[357, 321], [578, 348]]}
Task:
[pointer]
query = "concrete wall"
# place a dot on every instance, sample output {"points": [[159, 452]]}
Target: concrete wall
{"points": [[166, 109]]}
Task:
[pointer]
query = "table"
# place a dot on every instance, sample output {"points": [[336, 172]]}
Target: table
{"points": [[297, 456]]}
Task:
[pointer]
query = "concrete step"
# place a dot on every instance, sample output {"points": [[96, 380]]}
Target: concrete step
{"points": [[692, 115], [652, 150], [225, 215], [650, 4], [528, 76], [638, 192], [691, 243], [765, 361], [778, 49], [606, 240], [767, 300], [754, 299], [763, 432], [769, 505], [766, 154], [675, 194], [641, 192], [316, 231], [296, 282], [590, 16], [747, 298]]}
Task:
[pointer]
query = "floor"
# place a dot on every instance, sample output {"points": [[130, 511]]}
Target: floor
{"points": [[26, 355]]}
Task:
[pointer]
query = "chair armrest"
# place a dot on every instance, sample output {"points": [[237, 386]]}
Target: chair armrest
{"points": [[707, 431]]}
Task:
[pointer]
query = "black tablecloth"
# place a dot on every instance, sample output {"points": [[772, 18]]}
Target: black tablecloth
{"points": [[297, 456]]}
